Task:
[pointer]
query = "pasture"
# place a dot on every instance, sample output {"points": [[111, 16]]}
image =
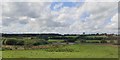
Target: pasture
{"points": [[67, 51]]}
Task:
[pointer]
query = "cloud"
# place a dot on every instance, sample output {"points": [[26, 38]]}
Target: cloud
{"points": [[102, 0], [39, 17], [57, 6], [114, 22]]}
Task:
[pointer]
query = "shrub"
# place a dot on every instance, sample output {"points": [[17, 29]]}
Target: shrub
{"points": [[103, 41], [112, 41], [4, 41], [115, 42], [93, 42], [83, 41], [20, 43], [71, 40], [41, 42], [14, 42], [37, 43], [11, 42], [4, 48]]}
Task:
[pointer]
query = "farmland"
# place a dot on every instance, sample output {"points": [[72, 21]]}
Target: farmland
{"points": [[72, 51], [59, 46]]}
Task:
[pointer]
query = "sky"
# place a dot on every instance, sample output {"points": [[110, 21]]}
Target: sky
{"points": [[59, 17]]}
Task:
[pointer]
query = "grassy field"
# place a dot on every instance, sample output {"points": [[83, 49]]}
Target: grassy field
{"points": [[69, 51], [54, 41]]}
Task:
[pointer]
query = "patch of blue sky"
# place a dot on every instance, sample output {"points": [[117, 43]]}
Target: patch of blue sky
{"points": [[108, 20], [84, 16], [68, 0], [65, 4]]}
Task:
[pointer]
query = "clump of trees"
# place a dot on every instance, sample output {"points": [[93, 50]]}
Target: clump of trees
{"points": [[40, 42], [92, 37], [24, 42], [13, 42]]}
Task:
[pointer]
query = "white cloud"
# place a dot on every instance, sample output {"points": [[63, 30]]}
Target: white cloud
{"points": [[39, 17], [58, 6], [114, 22], [102, 0]]}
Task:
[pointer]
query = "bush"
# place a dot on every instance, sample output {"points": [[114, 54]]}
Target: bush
{"points": [[20, 43], [4, 48], [14, 42], [112, 41], [93, 42], [11, 42], [115, 42], [37, 43], [83, 41], [4, 42], [71, 40], [41, 42], [103, 41]]}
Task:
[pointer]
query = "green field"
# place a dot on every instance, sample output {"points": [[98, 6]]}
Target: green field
{"points": [[54, 41], [68, 51]]}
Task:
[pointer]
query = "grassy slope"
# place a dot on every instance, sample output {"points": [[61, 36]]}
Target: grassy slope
{"points": [[80, 51], [53, 40]]}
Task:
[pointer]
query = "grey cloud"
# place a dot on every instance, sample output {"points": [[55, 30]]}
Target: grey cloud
{"points": [[45, 20], [55, 24], [7, 21], [23, 22]]}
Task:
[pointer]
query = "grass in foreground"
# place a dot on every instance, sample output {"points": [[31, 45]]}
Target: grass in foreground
{"points": [[70, 51]]}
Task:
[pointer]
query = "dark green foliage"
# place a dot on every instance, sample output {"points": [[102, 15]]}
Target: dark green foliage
{"points": [[4, 41], [20, 42], [93, 42], [11, 42], [82, 41], [37, 43], [44, 37], [115, 42], [71, 40], [112, 41], [3, 48], [14, 42], [103, 41], [41, 42], [92, 37]]}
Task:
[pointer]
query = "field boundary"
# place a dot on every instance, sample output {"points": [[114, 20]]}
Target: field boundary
{"points": [[60, 59]]}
